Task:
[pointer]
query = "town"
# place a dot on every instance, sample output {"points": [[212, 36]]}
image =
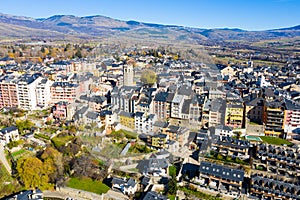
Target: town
{"points": [[148, 124]]}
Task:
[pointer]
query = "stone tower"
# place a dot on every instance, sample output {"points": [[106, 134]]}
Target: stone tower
{"points": [[128, 75]]}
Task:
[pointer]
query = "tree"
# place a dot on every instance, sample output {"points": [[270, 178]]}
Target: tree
{"points": [[53, 159], [24, 125], [148, 77], [78, 53], [34, 173]]}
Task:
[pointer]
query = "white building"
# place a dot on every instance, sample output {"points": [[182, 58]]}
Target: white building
{"points": [[43, 96], [8, 135], [144, 123], [27, 91], [176, 106], [128, 187], [222, 130]]}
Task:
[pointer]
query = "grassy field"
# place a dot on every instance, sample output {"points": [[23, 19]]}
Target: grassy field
{"points": [[123, 133], [61, 141], [172, 171], [88, 184], [22, 153], [111, 151], [275, 140]]}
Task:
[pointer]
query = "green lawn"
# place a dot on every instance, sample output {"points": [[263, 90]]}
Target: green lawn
{"points": [[172, 171], [16, 153], [61, 141], [41, 136], [22, 153], [172, 197], [123, 133], [88, 184], [275, 140]]}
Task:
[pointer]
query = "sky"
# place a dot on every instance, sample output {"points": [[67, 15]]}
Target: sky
{"points": [[244, 14]]}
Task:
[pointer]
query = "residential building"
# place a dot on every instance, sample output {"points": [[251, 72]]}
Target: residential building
{"points": [[35, 194], [154, 195], [108, 119], [160, 126], [215, 110], [125, 98], [128, 187], [228, 146], [255, 110], [224, 131], [273, 118], [176, 106], [221, 177], [214, 94], [160, 105], [63, 91], [279, 160], [43, 96], [159, 141], [264, 187], [291, 119], [9, 134], [179, 134], [8, 92], [26, 85], [144, 123], [154, 167], [234, 115], [195, 110], [59, 110], [228, 71], [127, 119]]}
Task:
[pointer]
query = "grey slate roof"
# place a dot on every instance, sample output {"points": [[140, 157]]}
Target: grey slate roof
{"points": [[290, 105], [186, 106], [152, 165], [8, 129], [92, 115], [151, 195], [161, 96], [221, 171]]}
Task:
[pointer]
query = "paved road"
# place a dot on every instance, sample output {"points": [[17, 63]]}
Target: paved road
{"points": [[3, 159]]}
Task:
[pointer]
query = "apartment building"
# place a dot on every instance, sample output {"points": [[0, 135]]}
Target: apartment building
{"points": [[8, 92], [221, 177], [291, 119], [63, 91], [144, 123], [273, 118], [160, 105], [27, 85], [234, 115], [43, 96]]}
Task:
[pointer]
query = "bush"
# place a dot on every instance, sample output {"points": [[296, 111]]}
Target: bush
{"points": [[42, 136], [14, 144]]}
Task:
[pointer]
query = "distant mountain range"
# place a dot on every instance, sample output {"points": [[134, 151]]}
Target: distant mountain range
{"points": [[69, 26]]}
